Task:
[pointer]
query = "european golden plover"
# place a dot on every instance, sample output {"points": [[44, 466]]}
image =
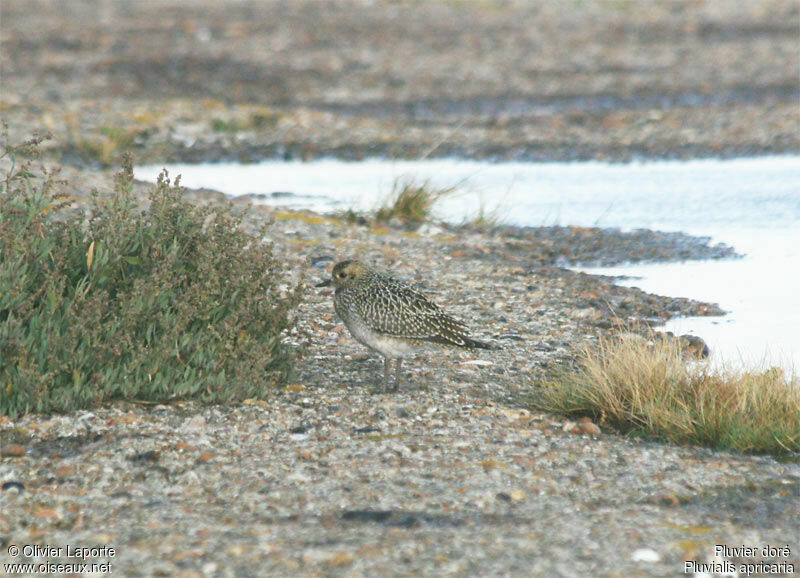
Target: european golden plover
{"points": [[390, 317]]}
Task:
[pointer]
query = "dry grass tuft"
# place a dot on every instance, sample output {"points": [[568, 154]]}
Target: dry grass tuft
{"points": [[485, 219], [411, 202], [646, 387]]}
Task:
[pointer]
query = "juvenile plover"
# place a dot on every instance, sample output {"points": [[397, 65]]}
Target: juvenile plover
{"points": [[390, 317]]}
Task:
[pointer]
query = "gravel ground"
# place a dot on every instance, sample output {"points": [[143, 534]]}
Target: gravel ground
{"points": [[453, 475], [202, 80]]}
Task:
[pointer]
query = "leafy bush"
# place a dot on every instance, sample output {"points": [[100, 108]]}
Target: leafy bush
{"points": [[172, 302], [645, 386]]}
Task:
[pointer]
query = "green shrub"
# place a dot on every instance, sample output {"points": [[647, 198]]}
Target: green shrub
{"points": [[645, 386], [172, 302]]}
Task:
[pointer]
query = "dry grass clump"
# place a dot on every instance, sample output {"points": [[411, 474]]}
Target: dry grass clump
{"points": [[411, 202], [107, 145], [485, 219], [646, 387]]}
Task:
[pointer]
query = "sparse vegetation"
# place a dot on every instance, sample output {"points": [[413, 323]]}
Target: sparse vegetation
{"points": [[411, 202], [351, 215], [108, 145], [223, 125], [644, 386], [258, 118], [485, 219], [172, 302]]}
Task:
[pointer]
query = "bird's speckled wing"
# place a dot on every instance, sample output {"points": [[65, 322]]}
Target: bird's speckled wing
{"points": [[398, 310]]}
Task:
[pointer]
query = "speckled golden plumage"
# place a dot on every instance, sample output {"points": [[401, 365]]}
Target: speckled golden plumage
{"points": [[390, 317]]}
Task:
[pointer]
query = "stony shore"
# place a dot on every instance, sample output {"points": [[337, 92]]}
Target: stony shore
{"points": [[454, 474]]}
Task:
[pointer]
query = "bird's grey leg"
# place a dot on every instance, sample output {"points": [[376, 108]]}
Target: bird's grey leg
{"points": [[398, 377], [387, 364]]}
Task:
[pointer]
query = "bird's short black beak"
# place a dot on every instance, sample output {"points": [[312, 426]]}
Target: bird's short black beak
{"points": [[325, 283]]}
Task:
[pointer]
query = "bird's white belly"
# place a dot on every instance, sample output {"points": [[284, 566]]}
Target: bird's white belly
{"points": [[384, 344]]}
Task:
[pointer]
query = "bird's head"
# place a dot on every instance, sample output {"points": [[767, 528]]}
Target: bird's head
{"points": [[346, 274]]}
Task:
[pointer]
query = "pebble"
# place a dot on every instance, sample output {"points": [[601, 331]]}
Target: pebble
{"points": [[13, 451], [66, 471], [586, 426], [645, 555], [478, 362], [194, 424], [13, 486]]}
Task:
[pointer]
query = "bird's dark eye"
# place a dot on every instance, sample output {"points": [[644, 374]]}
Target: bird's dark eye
{"points": [[341, 275]]}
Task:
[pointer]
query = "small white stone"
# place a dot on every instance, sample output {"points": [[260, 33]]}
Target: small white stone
{"points": [[298, 477], [194, 423], [645, 555], [478, 362], [429, 230]]}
